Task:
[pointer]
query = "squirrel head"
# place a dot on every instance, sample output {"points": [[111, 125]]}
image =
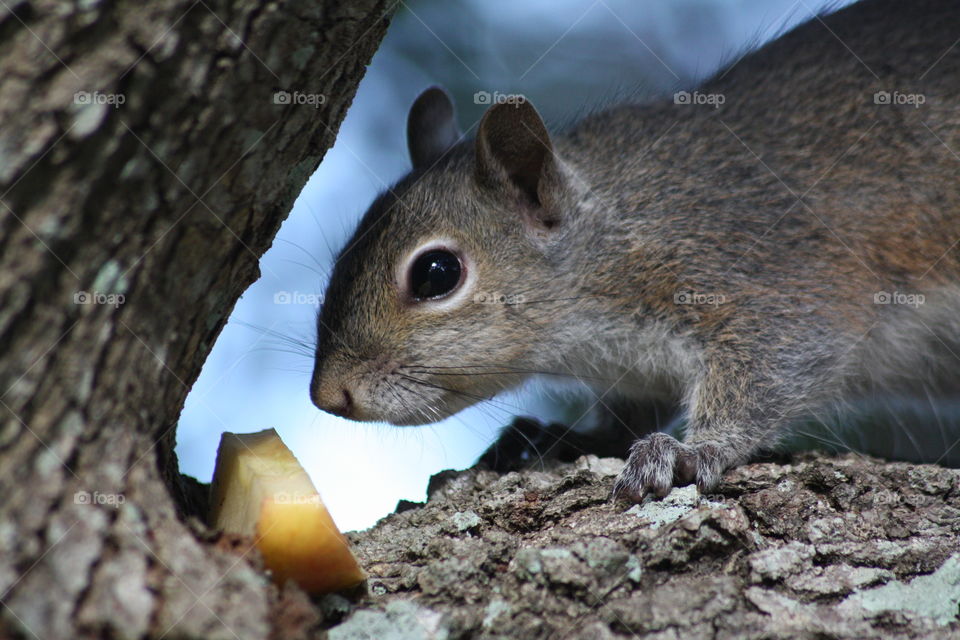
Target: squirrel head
{"points": [[425, 312]]}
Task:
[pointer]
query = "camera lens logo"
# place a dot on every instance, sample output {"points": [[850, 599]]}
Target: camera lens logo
{"points": [[281, 97]]}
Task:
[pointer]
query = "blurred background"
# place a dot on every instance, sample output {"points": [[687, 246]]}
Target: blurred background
{"points": [[567, 56]]}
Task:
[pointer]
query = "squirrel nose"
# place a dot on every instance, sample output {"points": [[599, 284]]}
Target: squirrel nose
{"points": [[339, 402]]}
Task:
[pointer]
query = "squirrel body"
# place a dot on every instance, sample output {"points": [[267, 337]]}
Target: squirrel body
{"points": [[789, 244]]}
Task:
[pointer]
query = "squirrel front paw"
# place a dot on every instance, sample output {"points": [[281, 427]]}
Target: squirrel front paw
{"points": [[659, 462]]}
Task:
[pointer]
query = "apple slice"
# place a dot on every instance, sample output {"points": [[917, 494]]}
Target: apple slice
{"points": [[261, 491]]}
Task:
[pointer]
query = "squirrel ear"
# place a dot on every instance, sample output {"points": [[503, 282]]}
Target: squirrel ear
{"points": [[431, 127], [513, 144]]}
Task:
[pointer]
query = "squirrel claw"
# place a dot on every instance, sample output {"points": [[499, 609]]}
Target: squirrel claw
{"points": [[659, 462]]}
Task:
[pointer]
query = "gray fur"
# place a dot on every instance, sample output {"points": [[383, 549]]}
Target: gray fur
{"points": [[783, 212]]}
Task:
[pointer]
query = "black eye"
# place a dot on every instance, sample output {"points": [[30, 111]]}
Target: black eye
{"points": [[434, 274]]}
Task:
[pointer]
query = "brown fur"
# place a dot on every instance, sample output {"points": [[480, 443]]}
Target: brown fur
{"points": [[784, 212]]}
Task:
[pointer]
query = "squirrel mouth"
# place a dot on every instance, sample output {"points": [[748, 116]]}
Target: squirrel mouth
{"points": [[419, 410], [411, 421]]}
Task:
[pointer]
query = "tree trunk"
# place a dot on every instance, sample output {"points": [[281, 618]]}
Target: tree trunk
{"points": [[146, 162]]}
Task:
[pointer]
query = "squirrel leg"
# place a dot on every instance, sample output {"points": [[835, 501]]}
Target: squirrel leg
{"points": [[735, 411]]}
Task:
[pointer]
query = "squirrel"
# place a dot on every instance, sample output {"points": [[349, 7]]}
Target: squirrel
{"points": [[783, 239]]}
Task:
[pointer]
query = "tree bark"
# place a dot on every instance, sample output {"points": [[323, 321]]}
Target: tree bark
{"points": [[847, 547], [145, 166]]}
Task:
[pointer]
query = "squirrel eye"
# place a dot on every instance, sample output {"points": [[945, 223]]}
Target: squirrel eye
{"points": [[434, 274]]}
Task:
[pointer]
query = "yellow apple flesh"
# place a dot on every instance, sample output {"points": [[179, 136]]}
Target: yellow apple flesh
{"points": [[261, 491]]}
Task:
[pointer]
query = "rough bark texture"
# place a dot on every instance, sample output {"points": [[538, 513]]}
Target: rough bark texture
{"points": [[846, 547], [163, 181]]}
